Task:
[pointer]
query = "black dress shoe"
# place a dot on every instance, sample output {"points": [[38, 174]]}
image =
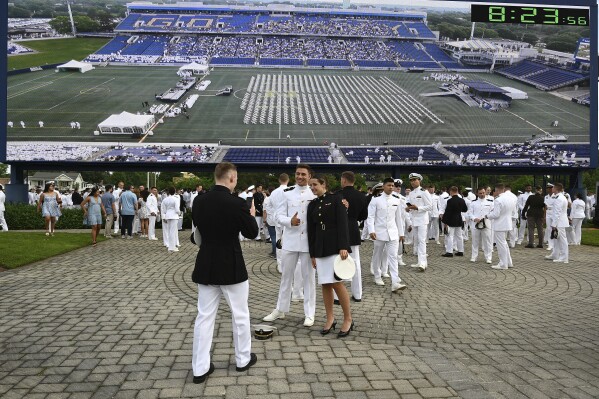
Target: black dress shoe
{"points": [[202, 378], [539, 246], [355, 299], [336, 302], [325, 331], [530, 246], [459, 254], [253, 360], [447, 255], [345, 333]]}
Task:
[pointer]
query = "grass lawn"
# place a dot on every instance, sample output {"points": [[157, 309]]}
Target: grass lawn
{"points": [[21, 248], [590, 237], [52, 51]]}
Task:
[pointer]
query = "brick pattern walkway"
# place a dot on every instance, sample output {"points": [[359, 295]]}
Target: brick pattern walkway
{"points": [[117, 321]]}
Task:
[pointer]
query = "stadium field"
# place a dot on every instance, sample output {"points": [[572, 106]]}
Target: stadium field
{"points": [[349, 108]]}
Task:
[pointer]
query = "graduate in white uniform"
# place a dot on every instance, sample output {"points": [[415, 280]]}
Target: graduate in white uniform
{"points": [[153, 211], [548, 212], [117, 194], [291, 214], [513, 234], [419, 204], [521, 202], [433, 225], [2, 209], [482, 234], [502, 218], [386, 227], [170, 210], [558, 223], [577, 215]]}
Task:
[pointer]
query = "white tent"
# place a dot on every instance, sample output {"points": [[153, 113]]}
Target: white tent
{"points": [[194, 67], [126, 123], [75, 66]]}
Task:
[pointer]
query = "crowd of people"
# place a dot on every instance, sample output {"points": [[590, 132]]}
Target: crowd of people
{"points": [[314, 230]]}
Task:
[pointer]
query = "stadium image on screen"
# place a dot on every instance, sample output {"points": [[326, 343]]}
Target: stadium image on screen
{"points": [[338, 83]]}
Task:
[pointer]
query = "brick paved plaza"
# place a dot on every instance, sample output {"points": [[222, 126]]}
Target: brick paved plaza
{"points": [[117, 321]]}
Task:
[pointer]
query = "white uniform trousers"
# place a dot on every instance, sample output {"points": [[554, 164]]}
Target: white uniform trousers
{"points": [[560, 245], [522, 230], [236, 296], [356, 281], [419, 233], [170, 234], [386, 259], [433, 229], [152, 227], [260, 226], [548, 239], [289, 262], [3, 221], [279, 232], [454, 241], [577, 229], [571, 237], [180, 224], [465, 230], [136, 226], [482, 238], [365, 234], [503, 250], [513, 233], [115, 226]]}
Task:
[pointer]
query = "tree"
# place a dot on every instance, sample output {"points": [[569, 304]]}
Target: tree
{"points": [[18, 12], [61, 24], [530, 38], [3, 170], [559, 45], [83, 23], [106, 22]]}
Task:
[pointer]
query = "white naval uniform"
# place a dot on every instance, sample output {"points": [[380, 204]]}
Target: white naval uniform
{"points": [[295, 248], [433, 226], [386, 220], [523, 223], [117, 216], [559, 220], [422, 199], [2, 209], [548, 212], [578, 214], [513, 233], [479, 209], [170, 214], [502, 217], [152, 205]]}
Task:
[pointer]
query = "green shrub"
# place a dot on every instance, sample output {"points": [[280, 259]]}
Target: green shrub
{"points": [[26, 217]]}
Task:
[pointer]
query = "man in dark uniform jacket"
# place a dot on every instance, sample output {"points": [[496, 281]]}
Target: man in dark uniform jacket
{"points": [[534, 213], [220, 269], [452, 217], [357, 212]]}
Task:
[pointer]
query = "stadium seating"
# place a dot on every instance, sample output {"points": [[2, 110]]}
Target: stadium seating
{"points": [[375, 64], [281, 62], [438, 55], [541, 75], [398, 154], [276, 155], [15, 48]]}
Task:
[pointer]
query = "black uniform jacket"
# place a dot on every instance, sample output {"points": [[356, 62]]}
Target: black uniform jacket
{"points": [[357, 212], [534, 206], [220, 216], [453, 212], [327, 226]]}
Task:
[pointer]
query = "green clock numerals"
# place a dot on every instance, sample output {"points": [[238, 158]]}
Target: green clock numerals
{"points": [[551, 16], [496, 14], [528, 16]]}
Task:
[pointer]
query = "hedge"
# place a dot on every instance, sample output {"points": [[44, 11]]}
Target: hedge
{"points": [[26, 217]]}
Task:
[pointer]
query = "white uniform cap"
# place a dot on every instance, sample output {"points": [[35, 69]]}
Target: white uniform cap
{"points": [[468, 188], [398, 181], [377, 186], [415, 176], [549, 185], [251, 187]]}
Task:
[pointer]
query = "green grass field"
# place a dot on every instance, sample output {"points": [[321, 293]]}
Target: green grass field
{"points": [[53, 51], [21, 248], [58, 98]]}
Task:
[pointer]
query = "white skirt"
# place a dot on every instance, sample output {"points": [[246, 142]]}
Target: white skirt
{"points": [[326, 270]]}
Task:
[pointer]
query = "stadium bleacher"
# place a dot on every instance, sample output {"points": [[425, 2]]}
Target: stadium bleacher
{"points": [[277, 155], [15, 48], [541, 75]]}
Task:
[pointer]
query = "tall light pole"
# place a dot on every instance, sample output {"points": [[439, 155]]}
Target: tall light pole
{"points": [[73, 30]]}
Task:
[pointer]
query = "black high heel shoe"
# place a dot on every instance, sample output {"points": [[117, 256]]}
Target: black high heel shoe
{"points": [[328, 330], [345, 333]]}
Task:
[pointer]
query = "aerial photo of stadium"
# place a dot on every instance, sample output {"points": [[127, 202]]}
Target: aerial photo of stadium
{"points": [[277, 82]]}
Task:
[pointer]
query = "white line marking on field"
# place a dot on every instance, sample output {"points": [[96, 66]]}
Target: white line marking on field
{"points": [[80, 93]]}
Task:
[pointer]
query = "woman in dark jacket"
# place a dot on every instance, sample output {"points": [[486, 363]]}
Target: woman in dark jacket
{"points": [[328, 236]]}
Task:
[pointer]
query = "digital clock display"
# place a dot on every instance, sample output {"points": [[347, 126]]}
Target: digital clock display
{"points": [[506, 14]]}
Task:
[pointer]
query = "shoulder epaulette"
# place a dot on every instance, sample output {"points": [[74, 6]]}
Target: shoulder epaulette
{"points": [[475, 199], [489, 199], [289, 188], [378, 195], [395, 195]]}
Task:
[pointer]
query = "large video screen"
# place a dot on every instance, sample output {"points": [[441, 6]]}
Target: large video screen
{"points": [[381, 81]]}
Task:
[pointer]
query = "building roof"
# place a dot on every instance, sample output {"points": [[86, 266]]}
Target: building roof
{"points": [[53, 175], [484, 87]]}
